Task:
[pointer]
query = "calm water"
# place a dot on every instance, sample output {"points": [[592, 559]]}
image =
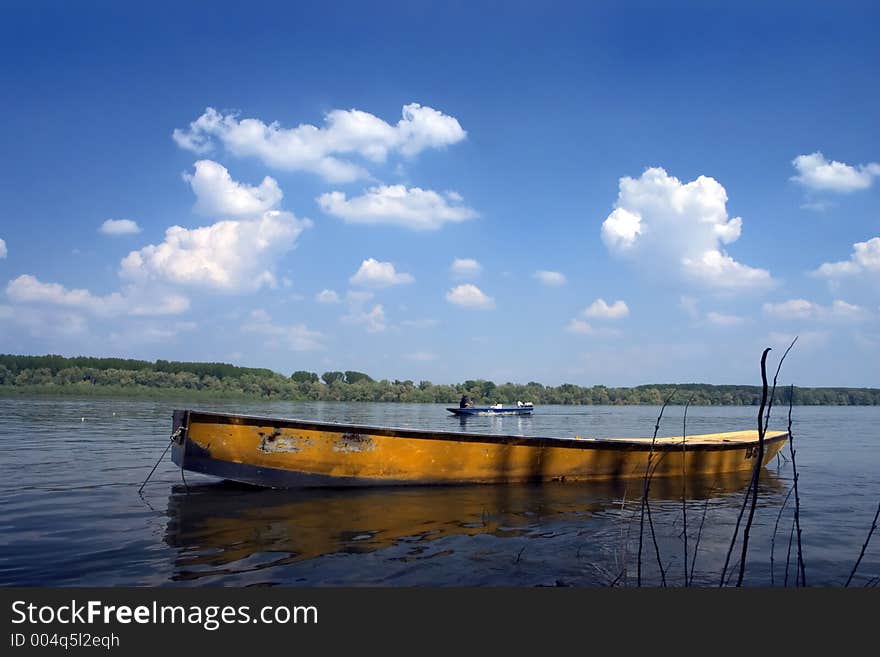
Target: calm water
{"points": [[72, 516]]}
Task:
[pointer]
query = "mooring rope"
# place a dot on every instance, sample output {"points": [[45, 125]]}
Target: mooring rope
{"points": [[174, 435]]}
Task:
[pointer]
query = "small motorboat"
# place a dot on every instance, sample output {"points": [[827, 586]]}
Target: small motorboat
{"points": [[496, 409]]}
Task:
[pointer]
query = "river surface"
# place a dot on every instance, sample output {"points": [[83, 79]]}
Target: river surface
{"points": [[72, 516]]}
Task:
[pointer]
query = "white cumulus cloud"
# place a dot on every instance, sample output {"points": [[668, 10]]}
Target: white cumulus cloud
{"points": [[373, 320], [600, 309], [373, 273], [296, 337], [217, 194], [469, 296], [327, 296], [465, 268], [30, 289], [553, 278], [658, 220], [2, 249], [803, 309], [817, 173], [865, 258], [229, 256], [119, 227], [398, 205], [317, 149], [721, 319], [131, 301]]}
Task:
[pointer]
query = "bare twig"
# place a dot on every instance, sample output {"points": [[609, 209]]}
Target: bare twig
{"points": [[646, 487], [775, 377], [788, 554], [684, 516], [864, 547], [755, 470], [697, 542], [797, 499], [775, 529], [759, 461]]}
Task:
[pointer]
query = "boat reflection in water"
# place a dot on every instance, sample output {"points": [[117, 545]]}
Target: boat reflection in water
{"points": [[222, 529]]}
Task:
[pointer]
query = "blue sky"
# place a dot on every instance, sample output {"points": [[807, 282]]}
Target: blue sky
{"points": [[616, 193]]}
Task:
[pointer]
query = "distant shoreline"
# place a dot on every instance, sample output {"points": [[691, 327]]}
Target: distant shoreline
{"points": [[127, 378], [80, 391]]}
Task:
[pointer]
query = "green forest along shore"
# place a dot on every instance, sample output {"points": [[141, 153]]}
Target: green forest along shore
{"points": [[139, 378]]}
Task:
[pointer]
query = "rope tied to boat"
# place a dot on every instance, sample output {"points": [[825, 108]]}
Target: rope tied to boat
{"points": [[171, 440]]}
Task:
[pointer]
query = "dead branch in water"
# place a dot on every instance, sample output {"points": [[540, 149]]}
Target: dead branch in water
{"points": [[762, 431], [684, 515], [755, 470], [646, 487], [775, 377], [797, 499], [864, 547], [788, 554], [699, 535], [775, 529]]}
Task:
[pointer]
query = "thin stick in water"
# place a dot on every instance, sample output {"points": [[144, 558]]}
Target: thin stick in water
{"points": [[864, 547]]}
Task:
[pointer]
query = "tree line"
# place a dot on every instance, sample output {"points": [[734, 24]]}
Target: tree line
{"points": [[118, 376]]}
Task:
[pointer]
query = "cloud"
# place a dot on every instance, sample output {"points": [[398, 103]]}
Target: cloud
{"points": [[327, 296], [315, 149], [373, 320], [465, 268], [373, 273], [659, 220], [296, 337], [580, 327], [817, 173], [30, 289], [44, 322], [690, 305], [720, 319], [469, 296], [116, 227], [150, 334], [397, 205], [2, 249], [800, 309], [218, 194], [131, 301], [228, 256], [865, 258], [552, 278], [600, 309]]}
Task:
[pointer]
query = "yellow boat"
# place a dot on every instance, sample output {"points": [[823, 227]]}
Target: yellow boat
{"points": [[289, 453]]}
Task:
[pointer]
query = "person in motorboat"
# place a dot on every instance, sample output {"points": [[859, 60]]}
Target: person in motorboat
{"points": [[465, 402]]}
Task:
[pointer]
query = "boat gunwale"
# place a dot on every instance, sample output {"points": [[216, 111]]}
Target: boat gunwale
{"points": [[635, 444]]}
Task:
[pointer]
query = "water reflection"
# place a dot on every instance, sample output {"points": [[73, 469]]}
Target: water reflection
{"points": [[501, 424], [225, 528]]}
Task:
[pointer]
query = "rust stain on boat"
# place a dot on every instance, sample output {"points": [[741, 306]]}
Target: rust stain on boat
{"points": [[279, 441], [354, 442]]}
